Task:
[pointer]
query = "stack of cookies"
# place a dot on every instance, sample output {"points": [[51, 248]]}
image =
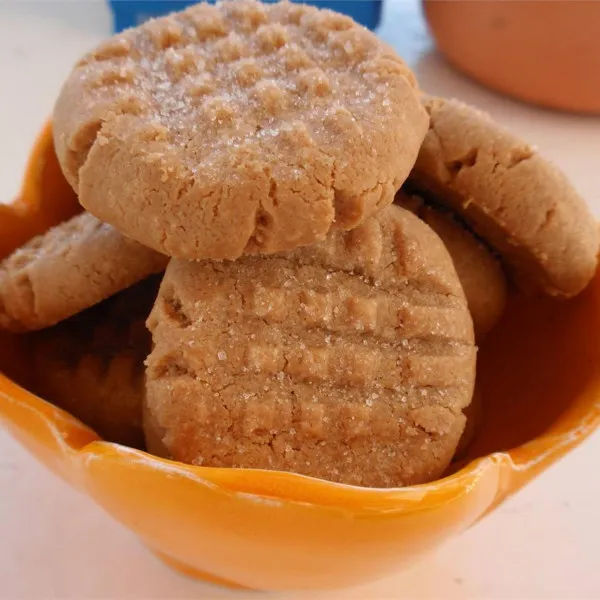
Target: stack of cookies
{"points": [[334, 245]]}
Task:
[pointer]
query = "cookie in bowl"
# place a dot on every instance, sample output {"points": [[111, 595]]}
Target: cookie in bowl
{"points": [[478, 269], [520, 204], [92, 365], [351, 360], [71, 267]]}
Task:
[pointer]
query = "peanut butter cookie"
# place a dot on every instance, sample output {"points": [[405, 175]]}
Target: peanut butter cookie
{"points": [[351, 360], [68, 269], [238, 128], [514, 199], [480, 273], [92, 365]]}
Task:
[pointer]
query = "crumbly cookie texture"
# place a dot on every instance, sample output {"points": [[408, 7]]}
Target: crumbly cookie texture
{"points": [[68, 269], [480, 273], [238, 128], [517, 201], [92, 365], [351, 360]]}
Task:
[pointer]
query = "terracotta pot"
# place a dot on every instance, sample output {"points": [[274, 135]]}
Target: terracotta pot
{"points": [[542, 51], [540, 376]]}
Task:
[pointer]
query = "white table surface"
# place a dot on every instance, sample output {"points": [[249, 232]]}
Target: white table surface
{"points": [[54, 543]]}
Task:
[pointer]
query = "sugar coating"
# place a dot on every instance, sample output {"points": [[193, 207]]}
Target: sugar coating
{"points": [[350, 360], [238, 128], [92, 365], [68, 269]]}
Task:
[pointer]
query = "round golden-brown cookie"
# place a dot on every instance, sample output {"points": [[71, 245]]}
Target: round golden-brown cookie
{"points": [[518, 202], [350, 360], [92, 365], [238, 128], [480, 274], [68, 269]]}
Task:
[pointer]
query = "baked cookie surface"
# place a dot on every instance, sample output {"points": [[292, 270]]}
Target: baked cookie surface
{"points": [[350, 360], [521, 204], [480, 273], [68, 269], [92, 365], [238, 128]]}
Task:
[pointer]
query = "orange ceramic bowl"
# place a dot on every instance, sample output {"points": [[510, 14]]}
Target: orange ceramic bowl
{"points": [[544, 52], [540, 372]]}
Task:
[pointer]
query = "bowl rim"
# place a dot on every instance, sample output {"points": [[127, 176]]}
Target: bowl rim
{"points": [[289, 487]]}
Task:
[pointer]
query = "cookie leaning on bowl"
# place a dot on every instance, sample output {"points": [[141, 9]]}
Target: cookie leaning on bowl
{"points": [[71, 267], [238, 128], [350, 360], [517, 202]]}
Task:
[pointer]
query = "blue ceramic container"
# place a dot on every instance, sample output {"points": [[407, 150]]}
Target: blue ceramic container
{"points": [[129, 13]]}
